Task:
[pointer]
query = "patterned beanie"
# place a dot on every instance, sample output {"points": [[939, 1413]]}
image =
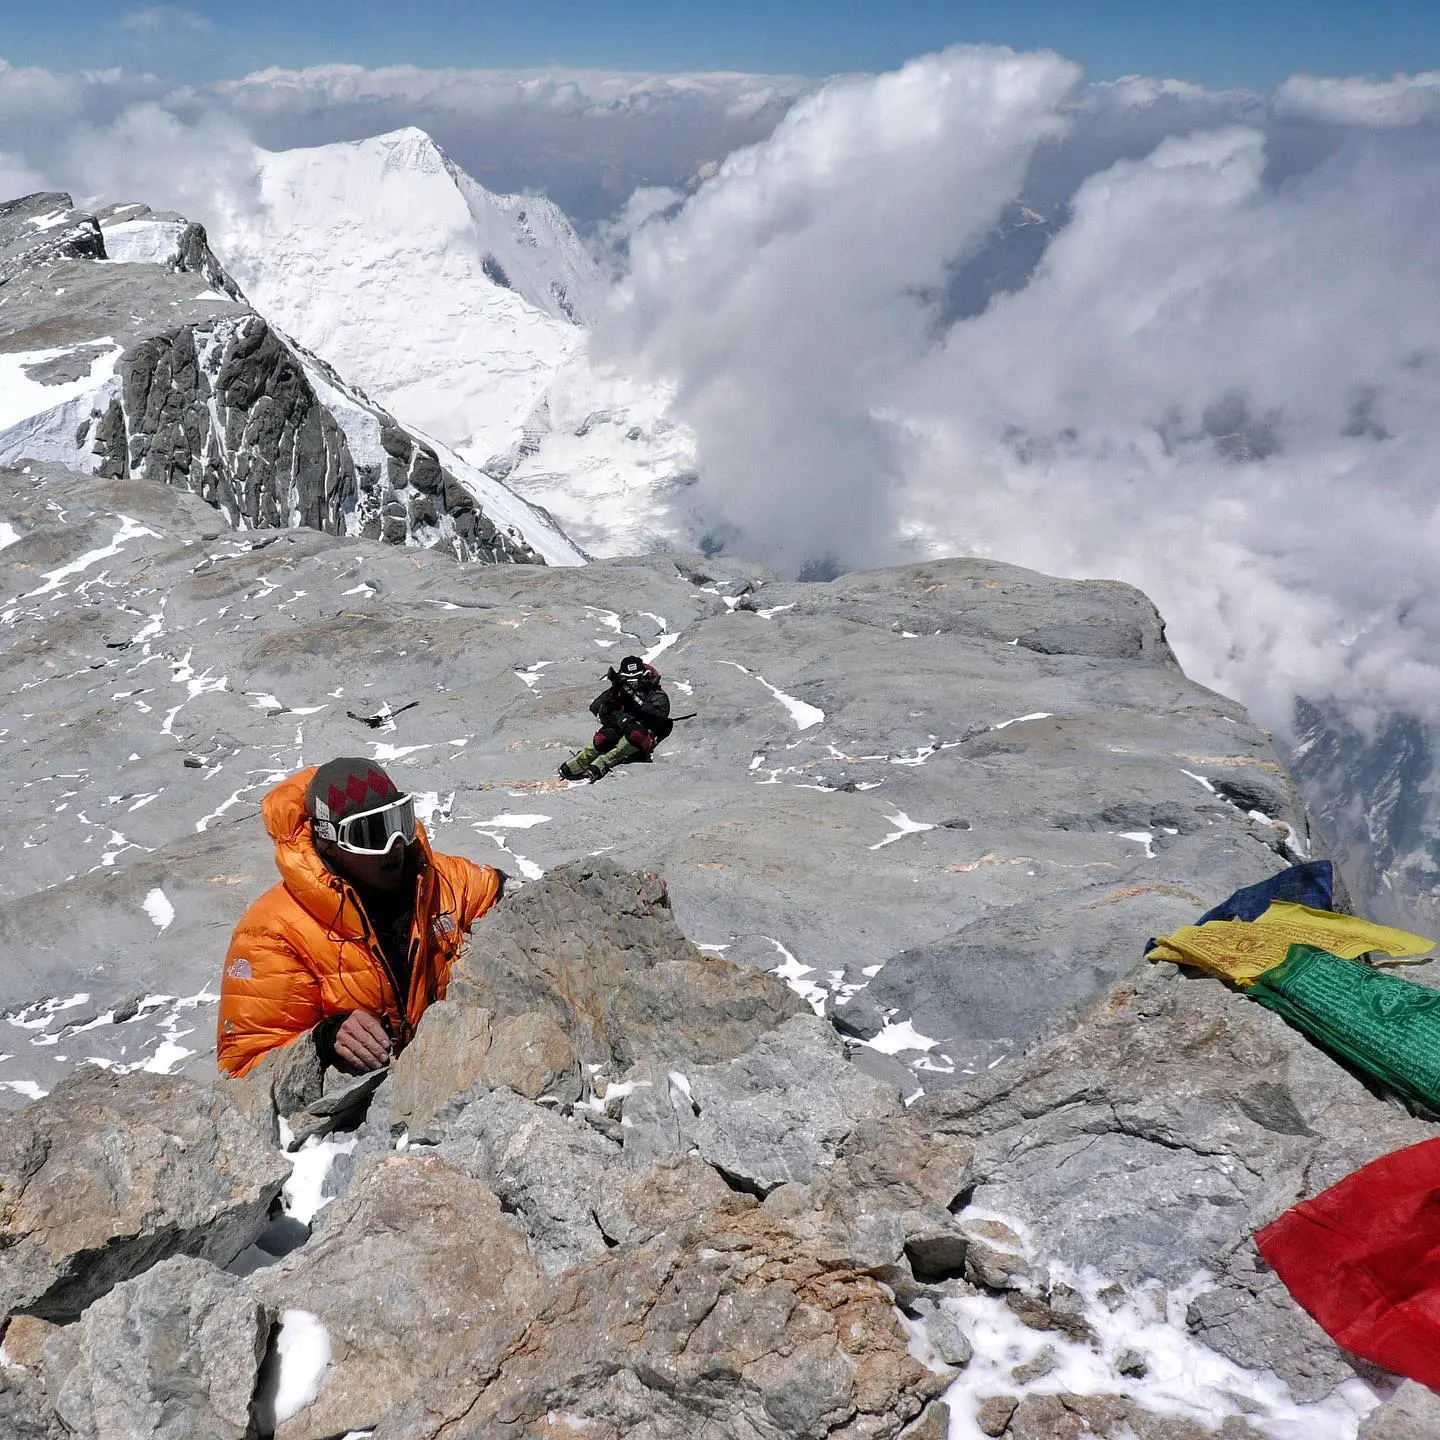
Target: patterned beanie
{"points": [[348, 787]]}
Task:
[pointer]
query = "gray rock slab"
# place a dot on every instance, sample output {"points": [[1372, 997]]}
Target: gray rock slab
{"points": [[996, 985], [171, 1355], [779, 1113], [109, 1175], [147, 715], [1159, 1135], [25, 1410], [550, 1172]]}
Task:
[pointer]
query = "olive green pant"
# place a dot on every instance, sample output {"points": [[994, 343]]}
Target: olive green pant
{"points": [[591, 758]]}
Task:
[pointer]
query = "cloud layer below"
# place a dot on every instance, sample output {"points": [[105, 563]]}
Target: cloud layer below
{"points": [[1205, 357]]}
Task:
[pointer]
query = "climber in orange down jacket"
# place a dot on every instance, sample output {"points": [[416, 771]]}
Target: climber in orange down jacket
{"points": [[359, 936]]}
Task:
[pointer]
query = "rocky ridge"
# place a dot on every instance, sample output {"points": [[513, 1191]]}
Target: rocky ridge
{"points": [[646, 1194], [973, 1152], [151, 365]]}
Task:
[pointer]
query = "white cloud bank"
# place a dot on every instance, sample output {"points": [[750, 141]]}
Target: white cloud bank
{"points": [[1221, 382], [586, 138]]}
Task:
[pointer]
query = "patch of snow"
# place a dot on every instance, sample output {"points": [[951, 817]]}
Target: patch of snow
{"points": [[39, 1014], [660, 647], [28, 1088], [9, 535], [431, 809], [531, 677], [793, 973], [302, 1358], [1140, 837], [159, 909], [166, 1057], [1182, 1377], [528, 868], [803, 714], [1021, 719], [906, 826], [22, 398], [893, 1038], [301, 1195], [509, 821], [146, 241], [385, 753], [129, 530]]}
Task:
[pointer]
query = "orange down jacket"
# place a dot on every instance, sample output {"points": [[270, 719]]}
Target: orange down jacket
{"points": [[305, 950]]}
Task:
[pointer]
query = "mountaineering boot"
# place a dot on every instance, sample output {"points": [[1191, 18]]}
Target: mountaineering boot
{"points": [[574, 769], [601, 765]]}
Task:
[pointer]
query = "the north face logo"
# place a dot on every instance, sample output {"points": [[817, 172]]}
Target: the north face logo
{"points": [[444, 925], [239, 968]]}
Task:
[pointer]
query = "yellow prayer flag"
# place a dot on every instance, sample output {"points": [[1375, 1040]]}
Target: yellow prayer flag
{"points": [[1241, 950]]}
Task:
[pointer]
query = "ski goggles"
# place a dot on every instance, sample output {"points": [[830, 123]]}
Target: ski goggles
{"points": [[373, 832]]}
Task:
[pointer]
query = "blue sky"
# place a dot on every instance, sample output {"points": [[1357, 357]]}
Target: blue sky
{"points": [[1215, 42]]}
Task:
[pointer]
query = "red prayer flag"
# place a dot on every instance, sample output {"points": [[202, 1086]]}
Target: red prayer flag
{"points": [[1363, 1258]]}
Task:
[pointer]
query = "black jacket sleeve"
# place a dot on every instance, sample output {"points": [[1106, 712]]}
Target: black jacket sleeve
{"points": [[324, 1034], [653, 710], [607, 701]]}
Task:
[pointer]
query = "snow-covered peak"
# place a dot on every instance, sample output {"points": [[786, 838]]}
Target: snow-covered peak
{"points": [[394, 185], [451, 305]]}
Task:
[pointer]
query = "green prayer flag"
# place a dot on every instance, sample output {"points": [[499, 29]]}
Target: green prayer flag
{"points": [[1384, 1026]]}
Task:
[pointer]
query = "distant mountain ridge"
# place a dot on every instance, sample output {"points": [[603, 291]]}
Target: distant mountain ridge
{"points": [[151, 364]]}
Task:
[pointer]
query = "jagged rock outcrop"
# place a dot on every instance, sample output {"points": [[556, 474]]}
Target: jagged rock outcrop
{"points": [[108, 1175], [722, 1326], [42, 230], [172, 1354], [153, 366], [604, 959], [1159, 1135]]}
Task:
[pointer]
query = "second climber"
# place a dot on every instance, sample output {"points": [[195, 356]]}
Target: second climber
{"points": [[634, 715]]}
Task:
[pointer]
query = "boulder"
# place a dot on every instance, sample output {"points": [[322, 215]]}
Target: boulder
{"points": [[1069, 1417], [461, 1049], [722, 1325], [415, 1261], [778, 1113], [1412, 1413], [109, 1175], [549, 1171], [596, 949], [172, 1354], [284, 1083], [25, 1412]]}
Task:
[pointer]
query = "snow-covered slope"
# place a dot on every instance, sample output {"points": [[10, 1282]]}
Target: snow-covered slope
{"points": [[452, 306], [600, 453]]}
